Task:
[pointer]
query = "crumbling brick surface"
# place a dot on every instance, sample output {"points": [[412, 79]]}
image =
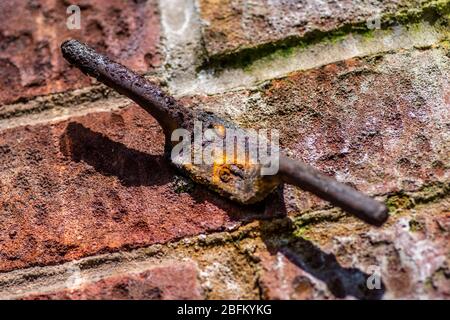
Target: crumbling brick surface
{"points": [[91, 208], [32, 31], [409, 254], [375, 123], [231, 25], [100, 183]]}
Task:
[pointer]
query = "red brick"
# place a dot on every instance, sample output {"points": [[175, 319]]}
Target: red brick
{"points": [[231, 25], [281, 279], [99, 183], [32, 31], [377, 124], [335, 259], [175, 281]]}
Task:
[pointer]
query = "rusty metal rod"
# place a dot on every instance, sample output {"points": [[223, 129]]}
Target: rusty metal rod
{"points": [[170, 115], [146, 94], [339, 194]]}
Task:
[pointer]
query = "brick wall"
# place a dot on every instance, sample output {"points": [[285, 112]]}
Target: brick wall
{"points": [[90, 208]]}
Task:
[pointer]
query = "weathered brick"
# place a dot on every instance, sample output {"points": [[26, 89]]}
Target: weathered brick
{"points": [[335, 259], [32, 31], [379, 124], [99, 183], [282, 280], [235, 24], [175, 281]]}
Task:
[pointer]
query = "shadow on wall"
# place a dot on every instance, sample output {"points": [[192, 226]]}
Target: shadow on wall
{"points": [[134, 168], [131, 167], [110, 158], [307, 256]]}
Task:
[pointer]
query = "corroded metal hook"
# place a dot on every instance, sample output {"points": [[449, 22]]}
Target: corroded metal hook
{"points": [[238, 181]]}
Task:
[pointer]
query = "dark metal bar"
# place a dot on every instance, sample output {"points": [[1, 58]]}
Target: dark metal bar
{"points": [[339, 194], [172, 115], [146, 94]]}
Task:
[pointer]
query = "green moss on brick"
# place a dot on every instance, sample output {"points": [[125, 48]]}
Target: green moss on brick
{"points": [[415, 226], [301, 232], [243, 58], [398, 201], [305, 222], [426, 194], [432, 192]]}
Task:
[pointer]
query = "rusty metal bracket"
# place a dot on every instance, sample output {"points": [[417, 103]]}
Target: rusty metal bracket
{"points": [[239, 180]]}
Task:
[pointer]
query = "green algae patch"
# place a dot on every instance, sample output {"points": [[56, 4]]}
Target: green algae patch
{"points": [[427, 194], [399, 201], [306, 222], [244, 57]]}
